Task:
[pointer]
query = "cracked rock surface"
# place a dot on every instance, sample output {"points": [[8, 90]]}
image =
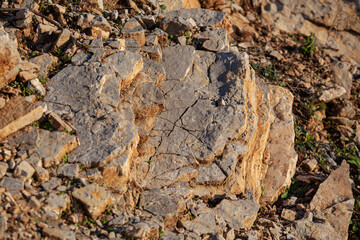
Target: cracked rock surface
{"points": [[144, 135]]}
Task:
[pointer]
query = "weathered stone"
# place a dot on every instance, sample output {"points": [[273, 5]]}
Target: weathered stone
{"points": [[51, 184], [343, 77], [84, 20], [100, 26], [98, 147], [158, 203], [153, 52], [3, 169], [334, 200], [36, 86], [3, 224], [308, 227], [176, 26], [63, 38], [17, 114], [210, 174], [34, 202], [276, 55], [42, 174], [2, 103], [127, 65], [283, 157], [132, 45], [24, 170], [190, 130], [203, 17], [141, 229], [119, 220], [12, 184], [23, 18], [60, 124], [147, 21], [177, 61], [52, 146], [58, 203], [238, 214], [154, 70], [117, 44], [134, 30], [94, 198], [171, 5], [157, 37], [9, 58], [204, 223], [191, 4], [215, 40], [329, 94], [288, 214], [28, 71], [58, 233], [311, 164], [68, 170]]}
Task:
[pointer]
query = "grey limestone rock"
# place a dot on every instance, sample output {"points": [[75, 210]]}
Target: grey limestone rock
{"points": [[238, 214], [214, 40], [58, 233], [51, 184], [94, 198], [12, 184], [177, 61], [68, 170], [24, 170], [202, 17], [176, 26]]}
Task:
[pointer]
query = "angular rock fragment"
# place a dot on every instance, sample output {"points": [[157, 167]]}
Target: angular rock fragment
{"points": [[334, 200], [204, 223], [3, 224], [9, 58], [154, 70], [142, 229], [52, 146], [51, 184], [94, 198], [3, 169], [177, 26], [238, 214], [58, 233], [127, 65], [327, 95], [210, 174], [133, 29], [283, 157], [24, 171], [12, 184], [17, 114], [63, 38], [153, 52], [68, 170], [343, 77], [28, 71], [160, 204], [202, 17], [214, 40]]}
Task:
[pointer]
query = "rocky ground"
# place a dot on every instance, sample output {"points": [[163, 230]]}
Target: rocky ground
{"points": [[146, 120]]}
